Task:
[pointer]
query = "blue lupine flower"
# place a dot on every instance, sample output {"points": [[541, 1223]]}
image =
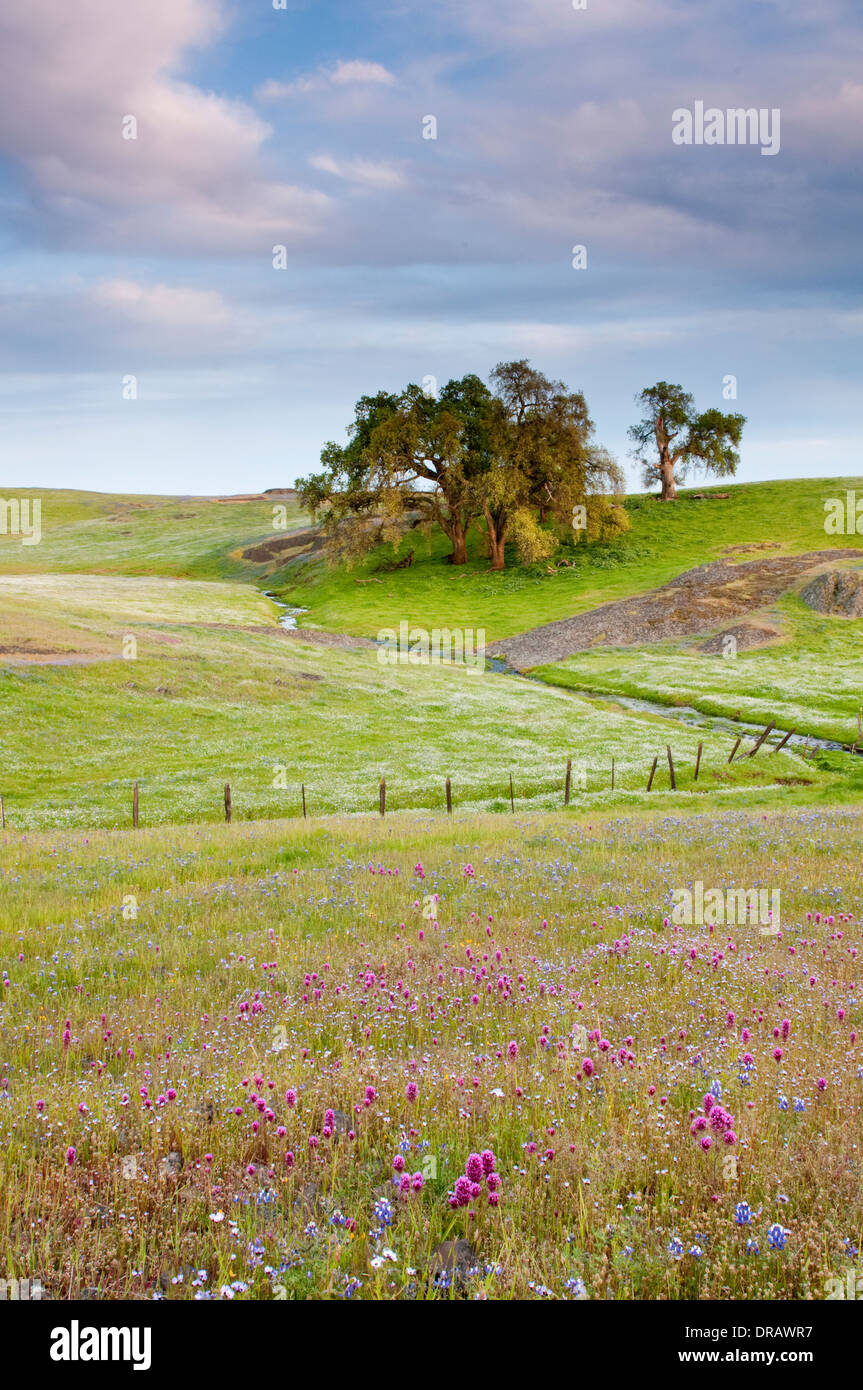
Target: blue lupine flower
{"points": [[696, 1251], [675, 1247], [743, 1213], [783, 1102], [716, 1090], [576, 1287], [752, 1247], [383, 1211], [776, 1237], [799, 1105]]}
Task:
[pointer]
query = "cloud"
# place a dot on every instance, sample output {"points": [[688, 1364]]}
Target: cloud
{"points": [[355, 72], [163, 305], [367, 172], [192, 177]]}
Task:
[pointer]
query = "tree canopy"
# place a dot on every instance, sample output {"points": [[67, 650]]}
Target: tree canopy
{"points": [[517, 455], [671, 437]]}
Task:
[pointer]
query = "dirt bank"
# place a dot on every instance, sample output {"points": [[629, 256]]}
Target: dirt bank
{"points": [[699, 601]]}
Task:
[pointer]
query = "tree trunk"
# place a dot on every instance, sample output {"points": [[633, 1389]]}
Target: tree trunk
{"points": [[496, 551], [666, 474], [459, 544], [496, 539]]}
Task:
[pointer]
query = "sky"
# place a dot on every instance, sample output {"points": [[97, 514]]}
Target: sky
{"points": [[154, 153]]}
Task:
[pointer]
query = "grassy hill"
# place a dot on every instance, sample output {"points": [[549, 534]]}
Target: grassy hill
{"points": [[99, 533], [665, 540], [215, 691]]}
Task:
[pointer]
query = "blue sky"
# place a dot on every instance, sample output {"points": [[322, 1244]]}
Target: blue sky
{"points": [[409, 257]]}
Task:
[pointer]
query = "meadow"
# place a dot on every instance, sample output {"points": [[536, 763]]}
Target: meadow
{"points": [[811, 679], [279, 1060], [664, 540], [184, 685], [417, 1056]]}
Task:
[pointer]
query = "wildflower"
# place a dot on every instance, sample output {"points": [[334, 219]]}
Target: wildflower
{"points": [[776, 1237], [675, 1247], [743, 1213], [411, 1090], [71, 1155], [462, 1191], [383, 1212]]}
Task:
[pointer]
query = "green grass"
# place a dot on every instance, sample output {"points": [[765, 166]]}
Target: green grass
{"points": [[198, 966], [216, 692], [665, 540], [811, 681], [99, 533]]}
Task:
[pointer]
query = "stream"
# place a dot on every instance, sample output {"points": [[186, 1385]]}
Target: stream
{"points": [[288, 620], [682, 714]]}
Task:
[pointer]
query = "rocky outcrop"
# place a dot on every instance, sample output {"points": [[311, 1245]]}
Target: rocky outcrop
{"points": [[837, 594]]}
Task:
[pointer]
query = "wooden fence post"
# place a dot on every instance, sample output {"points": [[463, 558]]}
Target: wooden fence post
{"points": [[382, 793], [568, 782], [2, 813], [228, 802], [135, 806], [448, 797], [735, 748], [784, 741], [768, 730], [671, 768], [698, 760], [612, 774], [304, 800], [511, 797], [652, 773]]}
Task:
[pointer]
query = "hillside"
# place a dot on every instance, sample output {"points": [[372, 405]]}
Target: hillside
{"points": [[136, 645]]}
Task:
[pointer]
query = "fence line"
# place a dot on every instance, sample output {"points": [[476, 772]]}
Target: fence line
{"points": [[855, 748]]}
